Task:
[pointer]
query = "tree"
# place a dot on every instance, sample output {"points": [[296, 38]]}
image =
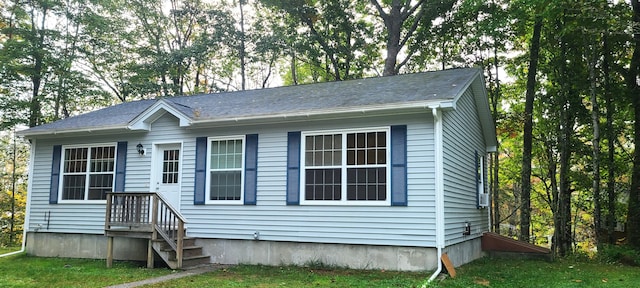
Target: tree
{"points": [[633, 88], [525, 210]]}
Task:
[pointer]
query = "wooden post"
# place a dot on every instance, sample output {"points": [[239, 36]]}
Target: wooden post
{"points": [[107, 217], [150, 254], [109, 252], [180, 243], [154, 217], [154, 232]]}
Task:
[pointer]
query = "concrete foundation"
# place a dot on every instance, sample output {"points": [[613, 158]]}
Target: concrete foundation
{"points": [[465, 252], [261, 252], [289, 253], [84, 246]]}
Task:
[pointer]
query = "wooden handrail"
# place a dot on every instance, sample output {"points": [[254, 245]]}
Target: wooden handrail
{"points": [[147, 211]]}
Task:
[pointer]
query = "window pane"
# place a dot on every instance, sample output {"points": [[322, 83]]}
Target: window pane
{"points": [[366, 183], [73, 187], [99, 185], [75, 160], [325, 151], [102, 159], [371, 156], [365, 150], [225, 170], [225, 185], [170, 166], [317, 143], [360, 140], [382, 156], [371, 139], [322, 184]]}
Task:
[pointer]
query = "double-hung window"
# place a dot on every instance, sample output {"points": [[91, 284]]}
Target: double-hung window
{"points": [[226, 170], [346, 167], [87, 172]]}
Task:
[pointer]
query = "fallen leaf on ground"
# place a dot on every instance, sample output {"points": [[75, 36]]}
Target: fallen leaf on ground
{"points": [[481, 281]]}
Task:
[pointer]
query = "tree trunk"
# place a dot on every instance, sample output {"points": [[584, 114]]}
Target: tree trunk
{"points": [[394, 22], [633, 216], [243, 51], [595, 118], [35, 108], [525, 208], [611, 188], [563, 225], [394, 28], [496, 158], [564, 192], [294, 74]]}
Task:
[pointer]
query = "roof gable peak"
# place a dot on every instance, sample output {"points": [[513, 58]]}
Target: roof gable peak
{"points": [[144, 120]]}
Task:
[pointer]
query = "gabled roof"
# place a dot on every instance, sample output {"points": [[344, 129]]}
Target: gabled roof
{"points": [[391, 94]]}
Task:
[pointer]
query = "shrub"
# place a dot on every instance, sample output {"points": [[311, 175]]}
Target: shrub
{"points": [[622, 254]]}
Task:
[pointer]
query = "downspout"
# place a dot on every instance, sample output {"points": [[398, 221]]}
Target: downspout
{"points": [[27, 213], [439, 183]]}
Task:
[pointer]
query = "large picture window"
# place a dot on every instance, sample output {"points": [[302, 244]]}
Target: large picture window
{"points": [[346, 167], [226, 169], [88, 172]]}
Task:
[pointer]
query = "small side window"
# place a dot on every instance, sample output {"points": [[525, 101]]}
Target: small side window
{"points": [[482, 195]]}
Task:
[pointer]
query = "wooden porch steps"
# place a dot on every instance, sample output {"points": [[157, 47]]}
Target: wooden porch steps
{"points": [[148, 215], [192, 254]]}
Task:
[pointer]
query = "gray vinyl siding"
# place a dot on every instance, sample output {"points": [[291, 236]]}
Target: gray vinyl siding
{"points": [[413, 225], [64, 217], [462, 137]]}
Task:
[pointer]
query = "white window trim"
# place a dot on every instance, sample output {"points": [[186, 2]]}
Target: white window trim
{"points": [[208, 171], [483, 200], [87, 174], [343, 167]]}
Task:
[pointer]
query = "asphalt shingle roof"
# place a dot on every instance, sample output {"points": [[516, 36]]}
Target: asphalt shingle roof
{"points": [[353, 94]]}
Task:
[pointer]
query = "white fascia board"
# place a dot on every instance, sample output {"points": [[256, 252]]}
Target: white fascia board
{"points": [[71, 132], [484, 113], [154, 112], [326, 114]]}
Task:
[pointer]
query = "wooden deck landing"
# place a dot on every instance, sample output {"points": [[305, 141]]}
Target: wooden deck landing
{"points": [[498, 245]]}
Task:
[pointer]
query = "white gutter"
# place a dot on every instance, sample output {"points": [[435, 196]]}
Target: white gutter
{"points": [[27, 213], [439, 183]]}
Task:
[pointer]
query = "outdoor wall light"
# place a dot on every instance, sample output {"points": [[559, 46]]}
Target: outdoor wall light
{"points": [[467, 228], [140, 149]]}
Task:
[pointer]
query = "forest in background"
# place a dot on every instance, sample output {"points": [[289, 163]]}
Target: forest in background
{"points": [[563, 78]]}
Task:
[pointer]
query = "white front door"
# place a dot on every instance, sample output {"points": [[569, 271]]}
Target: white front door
{"points": [[166, 167]]}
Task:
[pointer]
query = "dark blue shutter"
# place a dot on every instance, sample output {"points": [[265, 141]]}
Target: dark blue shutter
{"points": [[121, 166], [293, 168], [250, 169], [199, 189], [399, 165], [55, 174]]}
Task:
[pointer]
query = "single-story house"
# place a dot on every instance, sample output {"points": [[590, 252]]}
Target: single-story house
{"points": [[377, 173]]}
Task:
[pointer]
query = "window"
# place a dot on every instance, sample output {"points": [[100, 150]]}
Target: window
{"points": [[483, 197], [226, 170], [170, 164], [87, 172], [346, 167]]}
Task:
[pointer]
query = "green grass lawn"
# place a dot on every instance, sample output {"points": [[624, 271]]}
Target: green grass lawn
{"points": [[4, 250], [292, 276], [25, 271], [536, 273]]}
